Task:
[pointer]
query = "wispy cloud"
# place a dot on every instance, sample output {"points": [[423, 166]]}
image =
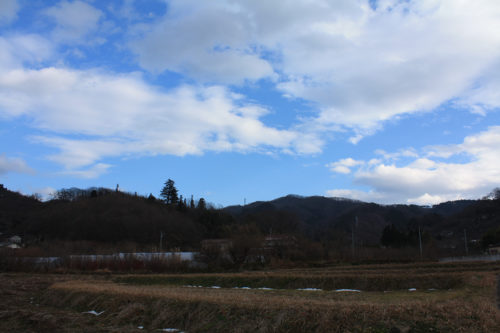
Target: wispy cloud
{"points": [[8, 11], [18, 50], [344, 165], [74, 20], [13, 165], [92, 172]]}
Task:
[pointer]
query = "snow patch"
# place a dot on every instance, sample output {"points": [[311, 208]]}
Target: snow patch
{"points": [[348, 290], [93, 312], [310, 289]]}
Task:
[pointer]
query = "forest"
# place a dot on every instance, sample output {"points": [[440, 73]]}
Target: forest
{"points": [[288, 229]]}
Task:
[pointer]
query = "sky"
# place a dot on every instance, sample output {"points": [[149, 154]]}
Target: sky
{"points": [[387, 101]]}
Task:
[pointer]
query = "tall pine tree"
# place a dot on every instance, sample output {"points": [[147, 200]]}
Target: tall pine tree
{"points": [[169, 193]]}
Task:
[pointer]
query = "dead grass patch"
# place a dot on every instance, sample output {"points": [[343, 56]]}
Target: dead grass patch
{"points": [[201, 309]]}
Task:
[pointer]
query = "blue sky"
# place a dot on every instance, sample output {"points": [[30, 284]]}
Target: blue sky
{"points": [[387, 101]]}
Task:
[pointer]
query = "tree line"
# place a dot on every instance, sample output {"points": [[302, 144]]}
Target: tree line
{"points": [[114, 217]]}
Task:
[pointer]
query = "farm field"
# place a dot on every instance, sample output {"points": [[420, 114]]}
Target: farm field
{"points": [[430, 297]]}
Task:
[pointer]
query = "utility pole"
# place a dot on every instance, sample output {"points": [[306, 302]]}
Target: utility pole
{"points": [[161, 240], [420, 241], [352, 235], [465, 240]]}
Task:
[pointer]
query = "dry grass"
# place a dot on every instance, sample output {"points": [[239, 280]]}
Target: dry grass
{"points": [[366, 278], [471, 308], [260, 298]]}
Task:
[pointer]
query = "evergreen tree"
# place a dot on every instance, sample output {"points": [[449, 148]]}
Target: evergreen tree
{"points": [[169, 193], [202, 205], [191, 204]]}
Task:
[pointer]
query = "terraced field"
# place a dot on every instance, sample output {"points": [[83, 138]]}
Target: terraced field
{"points": [[373, 298]]}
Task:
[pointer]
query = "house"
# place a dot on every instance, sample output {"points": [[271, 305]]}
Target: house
{"points": [[494, 249], [216, 245], [13, 242]]}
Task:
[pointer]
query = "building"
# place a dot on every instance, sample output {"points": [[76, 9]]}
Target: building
{"points": [[494, 249], [13, 242], [216, 245]]}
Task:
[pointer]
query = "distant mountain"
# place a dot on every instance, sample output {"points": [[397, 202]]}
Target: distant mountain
{"points": [[322, 216], [309, 209], [452, 207], [476, 219]]}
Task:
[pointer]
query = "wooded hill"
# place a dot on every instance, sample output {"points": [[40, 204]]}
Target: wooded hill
{"points": [[318, 224]]}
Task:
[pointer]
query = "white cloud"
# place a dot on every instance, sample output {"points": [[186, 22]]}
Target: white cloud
{"points": [[118, 115], [46, 193], [427, 199], [18, 50], [428, 179], [8, 11], [209, 41], [93, 172], [344, 165], [74, 20], [409, 152], [485, 95], [13, 165], [408, 59], [368, 196], [360, 66]]}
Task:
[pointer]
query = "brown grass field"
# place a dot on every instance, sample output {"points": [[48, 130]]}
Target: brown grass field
{"points": [[448, 298]]}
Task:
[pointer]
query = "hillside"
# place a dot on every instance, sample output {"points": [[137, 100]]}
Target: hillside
{"points": [[319, 224], [16, 210], [107, 217], [321, 217]]}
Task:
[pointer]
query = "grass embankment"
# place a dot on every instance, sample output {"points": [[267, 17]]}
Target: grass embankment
{"points": [[363, 277], [364, 282], [161, 301]]}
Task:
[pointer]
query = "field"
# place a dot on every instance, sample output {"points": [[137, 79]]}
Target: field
{"points": [[428, 297]]}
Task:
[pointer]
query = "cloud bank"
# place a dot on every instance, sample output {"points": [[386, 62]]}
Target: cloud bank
{"points": [[121, 115], [360, 64], [434, 175]]}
